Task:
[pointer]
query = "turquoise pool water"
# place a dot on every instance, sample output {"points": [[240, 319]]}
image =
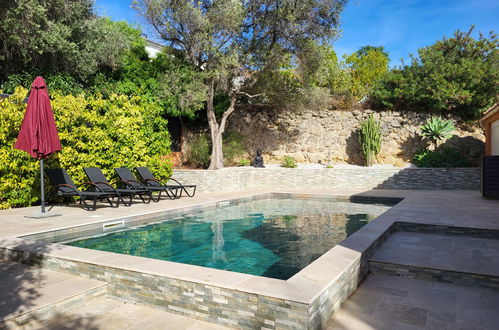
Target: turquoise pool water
{"points": [[268, 237]]}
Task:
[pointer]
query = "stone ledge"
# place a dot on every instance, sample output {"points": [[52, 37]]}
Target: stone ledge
{"points": [[433, 274]]}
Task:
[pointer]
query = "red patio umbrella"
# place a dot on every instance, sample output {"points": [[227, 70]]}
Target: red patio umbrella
{"points": [[38, 133]]}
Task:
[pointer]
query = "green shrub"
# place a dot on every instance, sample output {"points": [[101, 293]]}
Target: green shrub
{"points": [[244, 162], [446, 157], [107, 133], [199, 154], [370, 139], [456, 75], [288, 162], [437, 130], [233, 147], [199, 151]]}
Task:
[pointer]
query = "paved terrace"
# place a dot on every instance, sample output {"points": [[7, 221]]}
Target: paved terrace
{"points": [[446, 208]]}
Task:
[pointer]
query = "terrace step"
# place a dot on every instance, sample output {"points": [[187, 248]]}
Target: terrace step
{"points": [[32, 295], [105, 314], [445, 258]]}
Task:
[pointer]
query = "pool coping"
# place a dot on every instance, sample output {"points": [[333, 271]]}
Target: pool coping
{"points": [[316, 290]]}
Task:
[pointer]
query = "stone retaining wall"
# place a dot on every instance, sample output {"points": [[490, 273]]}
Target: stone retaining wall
{"points": [[330, 136], [240, 179]]}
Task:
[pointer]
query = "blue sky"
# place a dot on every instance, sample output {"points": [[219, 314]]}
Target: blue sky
{"points": [[402, 26]]}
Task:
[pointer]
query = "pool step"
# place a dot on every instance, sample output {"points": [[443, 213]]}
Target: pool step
{"points": [[433, 274], [444, 258], [32, 295]]}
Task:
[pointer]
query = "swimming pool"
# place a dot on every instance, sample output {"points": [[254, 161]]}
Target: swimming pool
{"points": [[271, 237]]}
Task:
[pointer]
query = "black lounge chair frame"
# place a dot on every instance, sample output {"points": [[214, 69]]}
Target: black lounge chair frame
{"points": [[149, 179], [65, 187], [95, 175], [126, 176]]}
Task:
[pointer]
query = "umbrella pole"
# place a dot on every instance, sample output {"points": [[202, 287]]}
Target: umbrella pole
{"points": [[42, 214], [42, 186]]}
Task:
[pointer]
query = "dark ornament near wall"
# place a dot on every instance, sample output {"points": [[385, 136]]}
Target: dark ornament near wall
{"points": [[258, 161]]}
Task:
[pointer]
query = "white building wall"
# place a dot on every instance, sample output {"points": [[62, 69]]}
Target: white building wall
{"points": [[152, 51], [494, 136]]}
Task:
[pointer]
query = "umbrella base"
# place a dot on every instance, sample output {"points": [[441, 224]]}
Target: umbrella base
{"points": [[42, 215]]}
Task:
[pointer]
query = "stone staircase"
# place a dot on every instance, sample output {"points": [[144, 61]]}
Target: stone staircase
{"points": [[32, 295], [456, 259]]}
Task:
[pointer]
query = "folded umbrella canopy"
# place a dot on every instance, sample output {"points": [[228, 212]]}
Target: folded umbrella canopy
{"points": [[38, 133]]}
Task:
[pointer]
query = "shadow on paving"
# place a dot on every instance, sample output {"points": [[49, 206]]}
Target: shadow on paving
{"points": [[21, 277], [70, 322]]}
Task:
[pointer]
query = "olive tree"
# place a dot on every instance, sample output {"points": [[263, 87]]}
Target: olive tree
{"points": [[231, 42], [50, 37]]}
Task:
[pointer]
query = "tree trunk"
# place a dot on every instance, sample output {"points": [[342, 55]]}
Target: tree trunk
{"points": [[217, 159], [217, 129]]}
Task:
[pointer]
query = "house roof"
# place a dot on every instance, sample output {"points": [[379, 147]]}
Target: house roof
{"points": [[490, 112], [154, 44]]}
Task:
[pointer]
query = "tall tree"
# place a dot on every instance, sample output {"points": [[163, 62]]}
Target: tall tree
{"points": [[367, 66], [48, 37], [233, 41]]}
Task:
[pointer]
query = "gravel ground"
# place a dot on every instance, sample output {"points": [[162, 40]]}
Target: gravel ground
{"points": [[315, 165]]}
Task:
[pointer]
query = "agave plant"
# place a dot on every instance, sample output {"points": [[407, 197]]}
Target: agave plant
{"points": [[437, 130]]}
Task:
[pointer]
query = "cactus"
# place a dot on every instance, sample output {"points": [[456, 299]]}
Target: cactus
{"points": [[370, 139]]}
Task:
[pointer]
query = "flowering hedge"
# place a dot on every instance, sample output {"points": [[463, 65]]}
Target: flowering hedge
{"points": [[94, 131]]}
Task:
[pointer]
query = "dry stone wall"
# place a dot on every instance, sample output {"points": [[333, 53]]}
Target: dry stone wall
{"points": [[330, 136]]}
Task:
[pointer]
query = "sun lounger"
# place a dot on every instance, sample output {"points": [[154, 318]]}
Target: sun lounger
{"points": [[149, 180], [126, 175], [65, 187], [98, 178]]}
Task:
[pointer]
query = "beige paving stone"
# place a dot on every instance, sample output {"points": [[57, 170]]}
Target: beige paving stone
{"points": [[111, 314], [390, 302]]}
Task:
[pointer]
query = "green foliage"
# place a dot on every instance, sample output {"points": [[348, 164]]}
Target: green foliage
{"points": [[370, 139], [199, 151], [163, 79], [367, 66], [319, 76], [184, 86], [304, 86], [288, 162], [50, 37], [233, 143], [244, 162], [94, 131], [437, 130], [446, 157], [364, 50], [63, 83], [456, 75]]}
